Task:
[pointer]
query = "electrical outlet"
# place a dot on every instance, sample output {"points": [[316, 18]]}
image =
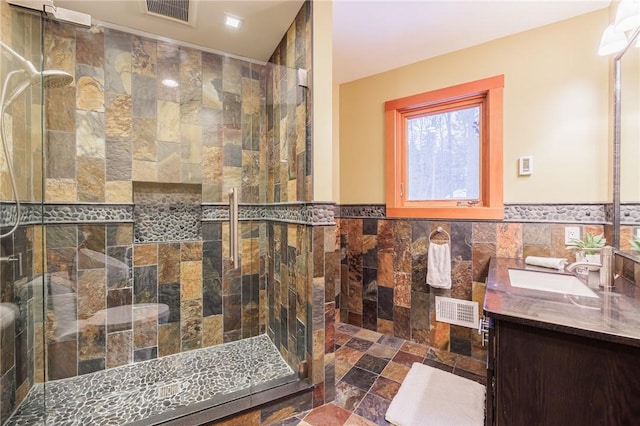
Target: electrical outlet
{"points": [[638, 232], [571, 233]]}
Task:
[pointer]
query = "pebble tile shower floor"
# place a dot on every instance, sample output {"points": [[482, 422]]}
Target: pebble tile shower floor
{"points": [[135, 392]]}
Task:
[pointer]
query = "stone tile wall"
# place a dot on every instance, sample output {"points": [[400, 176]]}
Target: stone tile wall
{"points": [[103, 293], [20, 289], [384, 265], [117, 129], [119, 123], [121, 136], [21, 299], [288, 136], [21, 31]]}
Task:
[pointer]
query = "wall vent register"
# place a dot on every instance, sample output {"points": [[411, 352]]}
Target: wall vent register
{"points": [[174, 9], [458, 312]]}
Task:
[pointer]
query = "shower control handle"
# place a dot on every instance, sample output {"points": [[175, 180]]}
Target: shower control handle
{"points": [[14, 258]]}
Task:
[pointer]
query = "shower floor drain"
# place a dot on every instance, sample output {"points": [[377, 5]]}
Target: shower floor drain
{"points": [[169, 390]]}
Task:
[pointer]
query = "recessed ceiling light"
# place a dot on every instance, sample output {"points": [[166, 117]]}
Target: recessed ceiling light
{"points": [[170, 83], [232, 21]]}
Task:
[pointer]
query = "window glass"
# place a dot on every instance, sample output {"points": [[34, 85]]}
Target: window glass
{"points": [[443, 155]]}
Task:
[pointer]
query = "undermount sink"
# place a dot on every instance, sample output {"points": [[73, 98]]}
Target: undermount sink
{"points": [[547, 281]]}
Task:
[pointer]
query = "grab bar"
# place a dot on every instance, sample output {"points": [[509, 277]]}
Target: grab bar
{"points": [[234, 255]]}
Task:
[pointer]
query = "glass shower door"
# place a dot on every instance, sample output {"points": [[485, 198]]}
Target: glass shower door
{"points": [[21, 257]]}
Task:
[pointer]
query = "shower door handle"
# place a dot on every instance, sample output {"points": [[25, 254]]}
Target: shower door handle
{"points": [[234, 255]]}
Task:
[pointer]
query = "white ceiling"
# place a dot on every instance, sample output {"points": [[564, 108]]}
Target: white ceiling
{"points": [[264, 22], [369, 36], [373, 36]]}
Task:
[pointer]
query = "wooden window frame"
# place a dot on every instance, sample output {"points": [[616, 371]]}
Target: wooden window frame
{"points": [[488, 93]]}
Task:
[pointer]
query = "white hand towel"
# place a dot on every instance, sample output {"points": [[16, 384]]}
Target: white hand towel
{"points": [[547, 262], [439, 266]]}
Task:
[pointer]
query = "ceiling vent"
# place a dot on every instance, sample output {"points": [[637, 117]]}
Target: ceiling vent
{"points": [[176, 10]]}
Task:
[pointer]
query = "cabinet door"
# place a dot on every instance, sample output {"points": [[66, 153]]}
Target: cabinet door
{"points": [[549, 378]]}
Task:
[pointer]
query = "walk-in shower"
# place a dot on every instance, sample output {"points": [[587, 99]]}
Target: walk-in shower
{"points": [[133, 291]]}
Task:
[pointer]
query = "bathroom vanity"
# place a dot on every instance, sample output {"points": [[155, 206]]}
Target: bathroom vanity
{"points": [[561, 359]]}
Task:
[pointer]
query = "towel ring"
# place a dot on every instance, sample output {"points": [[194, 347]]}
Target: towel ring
{"points": [[438, 230]]}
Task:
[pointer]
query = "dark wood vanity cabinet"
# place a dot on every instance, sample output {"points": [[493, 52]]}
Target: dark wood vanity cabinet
{"points": [[542, 376]]}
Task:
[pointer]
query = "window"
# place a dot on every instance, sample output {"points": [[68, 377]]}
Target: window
{"points": [[444, 152]]}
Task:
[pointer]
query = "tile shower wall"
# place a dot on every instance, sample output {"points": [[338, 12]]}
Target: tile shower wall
{"points": [[294, 249], [20, 302], [121, 136], [384, 265], [288, 137], [20, 282], [103, 290], [301, 293], [119, 123]]}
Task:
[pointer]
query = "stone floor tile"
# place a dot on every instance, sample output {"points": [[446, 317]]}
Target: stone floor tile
{"points": [[385, 388], [382, 351], [348, 396], [360, 378], [370, 335], [374, 408], [394, 371], [372, 363], [359, 344], [327, 415], [415, 348], [407, 359]]}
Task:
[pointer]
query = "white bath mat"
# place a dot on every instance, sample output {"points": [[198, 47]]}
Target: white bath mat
{"points": [[431, 397]]}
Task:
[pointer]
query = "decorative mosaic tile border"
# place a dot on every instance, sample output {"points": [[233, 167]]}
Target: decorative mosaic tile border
{"points": [[309, 213], [571, 213], [302, 213], [167, 222], [629, 214], [314, 214], [33, 214], [363, 210]]}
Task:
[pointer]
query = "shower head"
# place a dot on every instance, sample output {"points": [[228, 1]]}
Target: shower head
{"points": [[52, 79], [49, 78]]}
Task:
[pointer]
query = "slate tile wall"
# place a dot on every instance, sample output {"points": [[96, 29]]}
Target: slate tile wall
{"points": [[20, 288], [383, 268]]}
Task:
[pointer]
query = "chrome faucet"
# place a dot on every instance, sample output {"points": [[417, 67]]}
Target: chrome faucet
{"points": [[603, 277], [570, 267], [607, 272]]}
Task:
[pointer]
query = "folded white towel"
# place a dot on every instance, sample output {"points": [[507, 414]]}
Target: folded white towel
{"points": [[439, 265], [546, 262]]}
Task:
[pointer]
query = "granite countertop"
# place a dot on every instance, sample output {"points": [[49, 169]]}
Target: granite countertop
{"points": [[614, 316]]}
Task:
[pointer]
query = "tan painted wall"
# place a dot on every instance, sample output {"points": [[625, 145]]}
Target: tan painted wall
{"points": [[336, 143], [555, 108], [322, 102]]}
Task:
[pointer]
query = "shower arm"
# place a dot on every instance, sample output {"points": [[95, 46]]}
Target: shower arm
{"points": [[26, 65]]}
